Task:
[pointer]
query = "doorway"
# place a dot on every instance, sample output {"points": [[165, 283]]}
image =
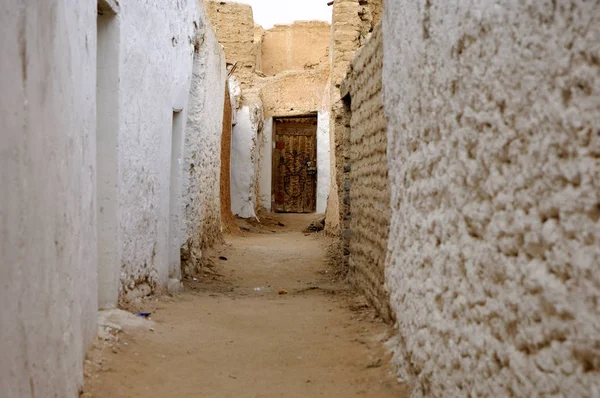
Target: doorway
{"points": [[294, 183]]}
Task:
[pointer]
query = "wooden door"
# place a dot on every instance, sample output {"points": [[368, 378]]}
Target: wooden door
{"points": [[295, 165]]}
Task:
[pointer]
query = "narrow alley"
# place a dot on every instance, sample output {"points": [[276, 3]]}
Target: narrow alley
{"points": [[268, 318], [300, 198]]}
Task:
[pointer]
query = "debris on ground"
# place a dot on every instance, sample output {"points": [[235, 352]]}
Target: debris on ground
{"points": [[283, 291], [316, 226], [308, 289], [377, 364], [112, 322], [223, 258]]}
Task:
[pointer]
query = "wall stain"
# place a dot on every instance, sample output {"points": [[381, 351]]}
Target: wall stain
{"points": [[23, 48]]}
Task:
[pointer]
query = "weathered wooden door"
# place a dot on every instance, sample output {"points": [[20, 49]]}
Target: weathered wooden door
{"points": [[295, 165]]}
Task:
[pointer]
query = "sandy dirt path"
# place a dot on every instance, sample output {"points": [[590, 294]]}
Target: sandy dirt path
{"points": [[231, 334]]}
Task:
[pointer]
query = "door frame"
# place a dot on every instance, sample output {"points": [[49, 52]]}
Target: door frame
{"points": [[313, 114]]}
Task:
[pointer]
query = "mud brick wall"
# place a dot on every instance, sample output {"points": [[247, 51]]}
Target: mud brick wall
{"points": [[494, 162], [369, 187]]}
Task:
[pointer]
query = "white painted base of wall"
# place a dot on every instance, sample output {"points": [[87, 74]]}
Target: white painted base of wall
{"points": [[244, 163], [323, 162]]}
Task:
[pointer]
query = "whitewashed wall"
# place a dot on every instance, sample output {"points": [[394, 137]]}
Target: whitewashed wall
{"points": [[157, 52], [47, 195], [244, 161], [265, 165], [202, 153], [323, 161]]}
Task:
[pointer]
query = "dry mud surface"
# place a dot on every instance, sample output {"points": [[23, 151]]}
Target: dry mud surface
{"points": [[232, 334]]}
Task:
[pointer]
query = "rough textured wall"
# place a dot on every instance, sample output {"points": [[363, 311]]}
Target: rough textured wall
{"points": [[350, 24], [157, 45], [369, 192], [48, 197], [293, 92], [258, 37], [227, 219], [202, 152], [376, 10], [494, 148], [299, 46], [234, 25]]}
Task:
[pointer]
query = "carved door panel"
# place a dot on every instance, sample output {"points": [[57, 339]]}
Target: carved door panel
{"points": [[295, 165]]}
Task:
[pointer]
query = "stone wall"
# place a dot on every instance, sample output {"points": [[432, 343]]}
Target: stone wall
{"points": [[48, 197], [494, 147], [369, 187], [299, 46], [202, 154]]}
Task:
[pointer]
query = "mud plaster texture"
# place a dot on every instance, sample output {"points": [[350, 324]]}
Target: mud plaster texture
{"points": [[494, 152], [234, 26], [48, 196], [298, 46], [293, 92], [369, 185], [258, 38], [227, 220], [351, 23], [202, 156]]}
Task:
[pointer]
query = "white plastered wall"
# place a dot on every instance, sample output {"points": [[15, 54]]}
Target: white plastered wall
{"points": [[265, 165], [47, 196], [323, 161], [107, 156], [155, 76], [202, 153], [244, 161]]}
